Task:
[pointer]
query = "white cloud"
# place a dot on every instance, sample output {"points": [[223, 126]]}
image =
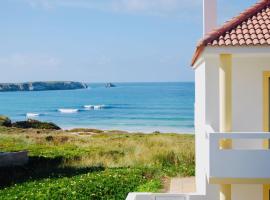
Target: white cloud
{"points": [[39, 3], [152, 7], [29, 61]]}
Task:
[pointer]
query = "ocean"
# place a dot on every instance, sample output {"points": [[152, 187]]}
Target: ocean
{"points": [[145, 107]]}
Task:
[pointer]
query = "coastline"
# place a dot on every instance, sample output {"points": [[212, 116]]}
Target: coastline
{"points": [[35, 122], [133, 107], [149, 130]]}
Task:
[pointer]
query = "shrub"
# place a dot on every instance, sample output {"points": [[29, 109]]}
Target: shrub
{"points": [[49, 138], [113, 184], [5, 121], [36, 124], [150, 186]]}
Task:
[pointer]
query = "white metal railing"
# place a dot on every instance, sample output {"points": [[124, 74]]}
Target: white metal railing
{"points": [[246, 159]]}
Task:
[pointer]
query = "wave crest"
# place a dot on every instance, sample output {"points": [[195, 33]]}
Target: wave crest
{"points": [[68, 111], [94, 107], [32, 115]]}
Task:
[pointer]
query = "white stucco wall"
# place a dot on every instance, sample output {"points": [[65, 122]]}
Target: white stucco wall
{"points": [[199, 128], [212, 110], [247, 78], [247, 111], [247, 97], [212, 92], [206, 105], [206, 112], [247, 90]]}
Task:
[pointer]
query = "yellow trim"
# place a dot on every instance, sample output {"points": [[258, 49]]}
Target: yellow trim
{"points": [[225, 192], [266, 77], [225, 97], [225, 181], [266, 189], [225, 104]]}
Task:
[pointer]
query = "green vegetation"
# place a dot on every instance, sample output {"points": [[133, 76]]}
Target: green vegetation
{"points": [[109, 184], [5, 121], [92, 164], [30, 123]]}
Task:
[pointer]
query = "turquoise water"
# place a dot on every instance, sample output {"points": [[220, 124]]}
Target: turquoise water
{"points": [[129, 106]]}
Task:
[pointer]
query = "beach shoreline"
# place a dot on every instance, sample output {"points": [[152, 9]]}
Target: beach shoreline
{"points": [[150, 130]]}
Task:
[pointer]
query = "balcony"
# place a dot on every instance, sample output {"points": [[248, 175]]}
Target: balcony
{"points": [[247, 159]]}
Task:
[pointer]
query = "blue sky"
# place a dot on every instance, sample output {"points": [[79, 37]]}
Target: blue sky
{"points": [[102, 40]]}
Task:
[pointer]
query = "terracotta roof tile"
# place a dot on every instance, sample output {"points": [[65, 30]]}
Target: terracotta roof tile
{"points": [[252, 31], [248, 41], [250, 28], [240, 36], [245, 31], [256, 41], [262, 41], [254, 36], [215, 42], [242, 41], [235, 42], [260, 36]]}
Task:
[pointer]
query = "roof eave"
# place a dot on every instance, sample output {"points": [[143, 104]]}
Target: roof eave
{"points": [[228, 26]]}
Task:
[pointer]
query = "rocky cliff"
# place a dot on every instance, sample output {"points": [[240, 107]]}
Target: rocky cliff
{"points": [[42, 86]]}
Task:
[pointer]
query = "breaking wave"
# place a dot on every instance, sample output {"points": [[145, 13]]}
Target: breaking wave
{"points": [[32, 115], [68, 111], [94, 107]]}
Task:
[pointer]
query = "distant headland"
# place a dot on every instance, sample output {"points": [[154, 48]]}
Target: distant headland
{"points": [[42, 86]]}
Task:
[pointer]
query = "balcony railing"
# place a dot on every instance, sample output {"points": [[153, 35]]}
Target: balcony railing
{"points": [[247, 158]]}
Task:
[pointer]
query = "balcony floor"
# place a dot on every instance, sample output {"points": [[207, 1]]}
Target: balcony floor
{"points": [[182, 185]]}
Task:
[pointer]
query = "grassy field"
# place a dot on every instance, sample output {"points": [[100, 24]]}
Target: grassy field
{"points": [[92, 164]]}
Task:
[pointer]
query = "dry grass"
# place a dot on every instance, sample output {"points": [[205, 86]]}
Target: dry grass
{"points": [[90, 147]]}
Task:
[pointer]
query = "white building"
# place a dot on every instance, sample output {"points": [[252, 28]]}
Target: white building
{"points": [[232, 83]]}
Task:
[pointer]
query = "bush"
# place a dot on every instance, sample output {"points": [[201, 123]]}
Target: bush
{"points": [[113, 184], [35, 124], [150, 186], [173, 163], [5, 121]]}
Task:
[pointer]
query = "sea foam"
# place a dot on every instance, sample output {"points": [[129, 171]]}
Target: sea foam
{"points": [[68, 111], [32, 115], [94, 107]]}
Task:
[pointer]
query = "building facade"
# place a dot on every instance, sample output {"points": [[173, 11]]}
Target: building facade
{"points": [[232, 112]]}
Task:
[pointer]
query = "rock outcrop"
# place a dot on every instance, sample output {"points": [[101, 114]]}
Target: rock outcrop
{"points": [[42, 86], [109, 85]]}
